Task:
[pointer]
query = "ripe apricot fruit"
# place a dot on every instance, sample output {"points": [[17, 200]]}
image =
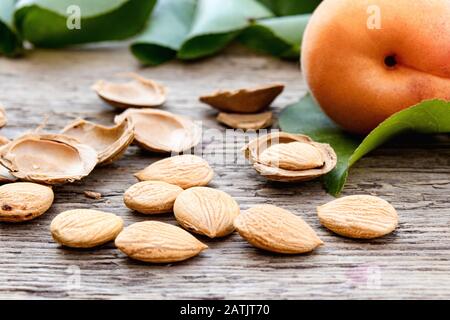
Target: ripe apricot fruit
{"points": [[366, 60]]}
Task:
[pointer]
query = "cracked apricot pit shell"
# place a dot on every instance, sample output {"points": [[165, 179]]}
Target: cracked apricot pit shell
{"points": [[5, 174], [23, 201], [288, 157], [162, 131], [48, 158], [363, 66], [246, 121], [2, 117], [138, 93], [248, 100], [109, 142]]}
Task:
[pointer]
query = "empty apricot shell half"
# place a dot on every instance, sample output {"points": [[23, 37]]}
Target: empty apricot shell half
{"points": [[140, 92], [48, 158], [161, 131], [109, 142], [249, 100]]}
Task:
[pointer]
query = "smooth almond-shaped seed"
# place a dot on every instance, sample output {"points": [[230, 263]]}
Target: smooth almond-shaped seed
{"points": [[206, 211], [158, 242], [23, 201], [359, 217], [274, 229], [151, 197], [85, 228], [185, 171], [292, 156]]}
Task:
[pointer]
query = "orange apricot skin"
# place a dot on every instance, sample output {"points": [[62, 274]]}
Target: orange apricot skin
{"points": [[344, 58]]}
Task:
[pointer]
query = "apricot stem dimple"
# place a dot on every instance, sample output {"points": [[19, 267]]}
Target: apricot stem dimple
{"points": [[390, 61]]}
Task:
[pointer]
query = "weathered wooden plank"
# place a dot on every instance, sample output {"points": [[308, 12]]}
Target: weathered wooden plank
{"points": [[412, 173]]}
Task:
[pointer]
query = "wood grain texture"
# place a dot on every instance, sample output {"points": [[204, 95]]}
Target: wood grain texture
{"points": [[413, 173]]}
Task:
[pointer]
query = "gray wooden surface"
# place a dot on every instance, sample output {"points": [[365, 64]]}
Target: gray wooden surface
{"points": [[413, 173]]}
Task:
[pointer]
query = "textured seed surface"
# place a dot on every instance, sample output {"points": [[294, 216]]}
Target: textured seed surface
{"points": [[22, 201], [359, 216], [85, 228], [151, 197], [185, 171], [206, 211], [158, 242], [274, 229], [292, 156]]}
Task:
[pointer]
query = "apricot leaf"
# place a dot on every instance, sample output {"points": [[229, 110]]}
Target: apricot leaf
{"points": [[280, 37], [193, 29], [427, 117], [10, 43], [50, 23], [291, 7], [166, 31], [217, 23]]}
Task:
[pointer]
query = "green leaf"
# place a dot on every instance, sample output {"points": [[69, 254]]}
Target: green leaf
{"points": [[10, 42], [166, 31], [291, 7], [427, 117], [280, 37], [217, 23], [190, 29], [45, 22]]}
